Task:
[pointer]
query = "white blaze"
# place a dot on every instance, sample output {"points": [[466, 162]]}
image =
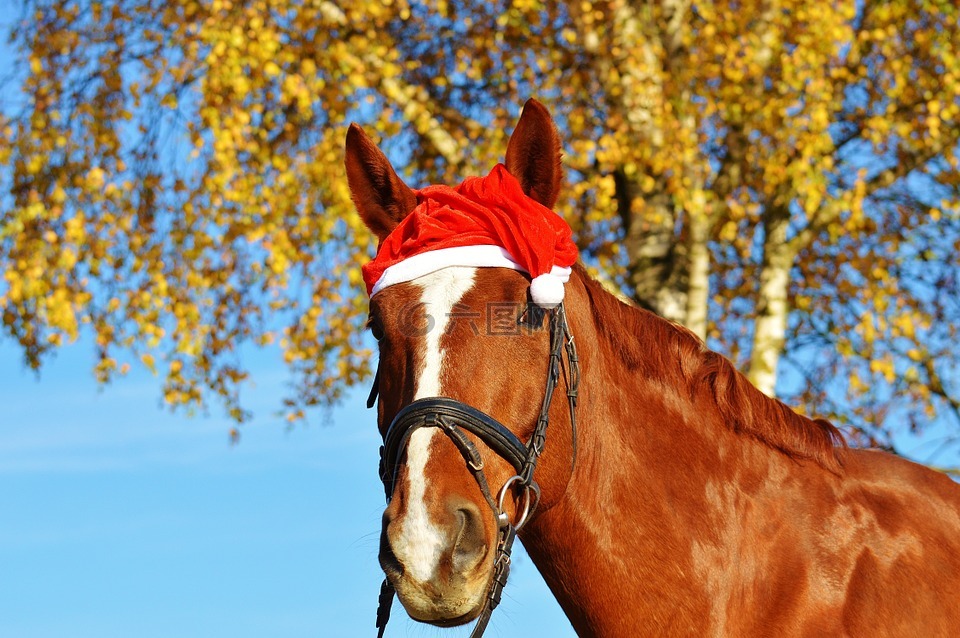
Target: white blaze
{"points": [[420, 542]]}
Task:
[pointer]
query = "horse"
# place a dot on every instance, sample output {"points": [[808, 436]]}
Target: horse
{"points": [[671, 497]]}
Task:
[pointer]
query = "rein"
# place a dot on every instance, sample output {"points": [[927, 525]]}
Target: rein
{"points": [[454, 418]]}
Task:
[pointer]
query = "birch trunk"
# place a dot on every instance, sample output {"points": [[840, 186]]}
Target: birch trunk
{"points": [[770, 326], [655, 260], [698, 268], [656, 268]]}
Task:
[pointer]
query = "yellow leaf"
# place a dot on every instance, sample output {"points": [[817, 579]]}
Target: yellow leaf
{"points": [[271, 69]]}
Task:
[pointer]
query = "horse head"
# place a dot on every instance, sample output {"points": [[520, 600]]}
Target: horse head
{"points": [[461, 333]]}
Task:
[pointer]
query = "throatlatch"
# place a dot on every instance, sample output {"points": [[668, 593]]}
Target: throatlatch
{"points": [[454, 418]]}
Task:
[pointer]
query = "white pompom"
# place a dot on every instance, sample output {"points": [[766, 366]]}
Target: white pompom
{"points": [[546, 290]]}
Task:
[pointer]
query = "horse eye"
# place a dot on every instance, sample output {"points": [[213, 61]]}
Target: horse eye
{"points": [[532, 316], [373, 325]]}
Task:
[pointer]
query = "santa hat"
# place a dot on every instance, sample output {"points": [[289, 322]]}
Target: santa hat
{"points": [[484, 222]]}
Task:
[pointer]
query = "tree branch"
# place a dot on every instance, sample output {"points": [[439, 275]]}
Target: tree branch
{"points": [[412, 100]]}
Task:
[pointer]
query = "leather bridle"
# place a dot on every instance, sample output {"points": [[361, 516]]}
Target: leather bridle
{"points": [[455, 419]]}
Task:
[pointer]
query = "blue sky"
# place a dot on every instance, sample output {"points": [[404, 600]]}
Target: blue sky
{"points": [[120, 519]]}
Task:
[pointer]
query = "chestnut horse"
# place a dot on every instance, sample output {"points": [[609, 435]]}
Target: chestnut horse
{"points": [[684, 503]]}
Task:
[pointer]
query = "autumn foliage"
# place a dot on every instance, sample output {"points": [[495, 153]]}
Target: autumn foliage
{"points": [[781, 177]]}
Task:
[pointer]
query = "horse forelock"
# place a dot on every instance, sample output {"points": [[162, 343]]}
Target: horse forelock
{"points": [[659, 349]]}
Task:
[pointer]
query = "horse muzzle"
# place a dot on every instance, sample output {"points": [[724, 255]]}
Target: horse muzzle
{"points": [[451, 591]]}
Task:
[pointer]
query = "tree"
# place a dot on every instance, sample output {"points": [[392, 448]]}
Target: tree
{"points": [[781, 177]]}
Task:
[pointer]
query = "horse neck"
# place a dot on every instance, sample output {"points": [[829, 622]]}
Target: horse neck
{"points": [[617, 549]]}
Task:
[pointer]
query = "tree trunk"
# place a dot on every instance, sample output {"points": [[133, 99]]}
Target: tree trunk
{"points": [[656, 259], [770, 326], [698, 268]]}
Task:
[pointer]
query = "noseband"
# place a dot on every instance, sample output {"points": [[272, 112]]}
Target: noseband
{"points": [[455, 419]]}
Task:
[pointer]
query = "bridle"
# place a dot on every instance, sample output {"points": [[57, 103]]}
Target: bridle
{"points": [[454, 419]]}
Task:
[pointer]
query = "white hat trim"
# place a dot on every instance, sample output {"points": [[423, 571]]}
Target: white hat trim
{"points": [[485, 256]]}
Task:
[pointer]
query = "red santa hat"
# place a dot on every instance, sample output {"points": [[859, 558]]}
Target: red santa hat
{"points": [[484, 222]]}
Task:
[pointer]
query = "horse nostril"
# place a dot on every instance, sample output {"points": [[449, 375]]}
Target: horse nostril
{"points": [[389, 562], [470, 546]]}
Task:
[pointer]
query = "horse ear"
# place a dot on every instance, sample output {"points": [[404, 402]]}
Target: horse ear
{"points": [[533, 154], [381, 198]]}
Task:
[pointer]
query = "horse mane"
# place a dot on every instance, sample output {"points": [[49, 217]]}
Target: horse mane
{"points": [[675, 356]]}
